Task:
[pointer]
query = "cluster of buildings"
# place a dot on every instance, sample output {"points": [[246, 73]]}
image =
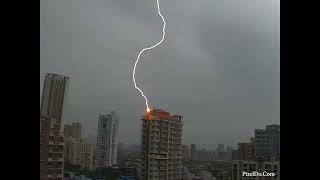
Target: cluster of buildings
{"points": [[194, 154], [77, 150], [60, 144], [261, 154], [161, 156], [161, 153]]}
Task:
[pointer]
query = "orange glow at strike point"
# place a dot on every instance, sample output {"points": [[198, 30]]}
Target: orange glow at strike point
{"points": [[148, 110]]}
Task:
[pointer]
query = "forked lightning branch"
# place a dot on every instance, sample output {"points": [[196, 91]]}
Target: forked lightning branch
{"points": [[145, 49]]}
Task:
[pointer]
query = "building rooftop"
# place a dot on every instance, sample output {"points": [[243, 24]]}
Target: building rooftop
{"points": [[159, 114], [57, 75]]}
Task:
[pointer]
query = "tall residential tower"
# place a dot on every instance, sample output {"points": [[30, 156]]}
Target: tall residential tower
{"points": [[107, 139], [51, 133], [161, 146]]}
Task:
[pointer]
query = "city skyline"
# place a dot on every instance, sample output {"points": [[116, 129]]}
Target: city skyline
{"points": [[218, 67]]}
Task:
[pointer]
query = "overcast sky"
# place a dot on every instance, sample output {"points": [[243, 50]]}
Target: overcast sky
{"points": [[218, 67]]}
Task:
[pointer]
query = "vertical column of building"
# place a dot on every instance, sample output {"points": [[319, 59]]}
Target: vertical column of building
{"points": [[161, 146], [115, 137], [107, 139], [52, 105], [101, 139], [177, 139], [44, 140]]}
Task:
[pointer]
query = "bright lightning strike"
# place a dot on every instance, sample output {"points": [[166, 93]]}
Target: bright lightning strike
{"points": [[148, 48]]}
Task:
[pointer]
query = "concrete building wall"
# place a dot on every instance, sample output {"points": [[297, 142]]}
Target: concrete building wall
{"points": [[267, 143], [161, 146], [51, 134], [246, 151], [79, 152]]}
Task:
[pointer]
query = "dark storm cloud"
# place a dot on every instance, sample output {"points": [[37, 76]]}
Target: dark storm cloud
{"points": [[218, 66]]}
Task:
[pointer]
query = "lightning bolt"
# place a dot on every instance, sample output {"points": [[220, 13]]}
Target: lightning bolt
{"points": [[145, 49]]}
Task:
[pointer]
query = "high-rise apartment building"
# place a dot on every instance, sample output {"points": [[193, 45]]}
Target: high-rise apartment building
{"points": [[267, 143], [86, 155], [79, 152], [193, 152], [51, 134], [107, 139], [161, 146]]}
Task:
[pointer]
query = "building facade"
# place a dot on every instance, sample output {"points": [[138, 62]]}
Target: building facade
{"points": [[76, 130], [51, 134], [235, 154], [246, 151], [107, 139], [267, 143], [161, 146], [79, 152], [73, 130], [67, 130]]}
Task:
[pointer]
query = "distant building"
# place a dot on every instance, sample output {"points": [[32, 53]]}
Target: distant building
{"points": [[193, 152], [238, 167], [107, 139], [67, 130], [73, 130], [221, 154], [267, 143], [235, 154], [229, 153], [185, 153], [51, 134], [86, 155], [79, 152], [161, 146], [246, 151], [121, 154], [205, 155], [76, 130]]}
